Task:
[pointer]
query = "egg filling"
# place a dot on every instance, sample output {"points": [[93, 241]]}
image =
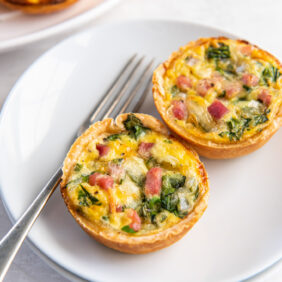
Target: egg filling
{"points": [[137, 181], [222, 90]]}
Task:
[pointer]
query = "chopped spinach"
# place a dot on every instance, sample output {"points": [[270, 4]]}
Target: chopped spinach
{"points": [[128, 229], [78, 167], [86, 199], [81, 179], [197, 192], [221, 52], [270, 74], [222, 94], [113, 137], [247, 88], [134, 126], [224, 69], [117, 161], [151, 207], [151, 162], [259, 119], [139, 180], [170, 202], [169, 197], [174, 90], [236, 128], [175, 180], [106, 218]]}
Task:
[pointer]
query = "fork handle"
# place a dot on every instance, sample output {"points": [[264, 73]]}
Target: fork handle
{"points": [[12, 241]]}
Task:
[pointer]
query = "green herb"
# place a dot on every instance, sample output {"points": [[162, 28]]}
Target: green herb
{"points": [[197, 193], [86, 199], [139, 180], [128, 229], [78, 167], [236, 128], [180, 214], [221, 52], [247, 88], [259, 119], [244, 98], [270, 74], [163, 218], [117, 161], [113, 137], [81, 179], [167, 141], [224, 69], [170, 202], [174, 90], [175, 180], [151, 162], [106, 218], [222, 95], [134, 126], [154, 207]]}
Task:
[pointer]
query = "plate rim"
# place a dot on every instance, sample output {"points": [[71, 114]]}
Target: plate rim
{"points": [[73, 22], [65, 272]]}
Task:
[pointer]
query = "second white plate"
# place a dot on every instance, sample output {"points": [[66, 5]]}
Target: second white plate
{"points": [[239, 234], [18, 29]]}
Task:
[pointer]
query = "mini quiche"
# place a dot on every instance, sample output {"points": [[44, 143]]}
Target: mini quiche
{"points": [[223, 96], [133, 187], [38, 6]]}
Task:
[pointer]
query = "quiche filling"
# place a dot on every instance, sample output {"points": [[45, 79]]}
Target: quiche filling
{"points": [[222, 90], [137, 181]]}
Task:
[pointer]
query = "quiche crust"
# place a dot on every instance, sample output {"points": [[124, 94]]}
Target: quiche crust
{"points": [[210, 148], [116, 239], [38, 7]]}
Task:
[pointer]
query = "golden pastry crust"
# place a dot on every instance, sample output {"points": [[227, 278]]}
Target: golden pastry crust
{"points": [[209, 148], [116, 239], [44, 7]]}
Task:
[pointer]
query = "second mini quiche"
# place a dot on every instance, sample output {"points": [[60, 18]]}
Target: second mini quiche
{"points": [[223, 96], [133, 187], [38, 6]]}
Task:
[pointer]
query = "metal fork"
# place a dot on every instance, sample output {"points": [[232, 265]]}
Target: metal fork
{"points": [[119, 98]]}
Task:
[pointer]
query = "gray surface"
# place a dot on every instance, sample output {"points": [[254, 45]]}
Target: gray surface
{"points": [[27, 266], [259, 21]]}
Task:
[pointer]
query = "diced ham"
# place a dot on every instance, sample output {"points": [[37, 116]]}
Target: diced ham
{"points": [[250, 79], [232, 88], [102, 149], [179, 109], [183, 82], [144, 149], [116, 171], [118, 208], [153, 181], [203, 86], [104, 181], [217, 110], [246, 50], [265, 97], [135, 220]]}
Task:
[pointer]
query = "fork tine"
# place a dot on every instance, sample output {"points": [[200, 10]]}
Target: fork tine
{"points": [[112, 88], [94, 115], [142, 98], [137, 87], [124, 88]]}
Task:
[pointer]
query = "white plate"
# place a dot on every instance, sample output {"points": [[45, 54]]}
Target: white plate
{"points": [[238, 236], [18, 29]]}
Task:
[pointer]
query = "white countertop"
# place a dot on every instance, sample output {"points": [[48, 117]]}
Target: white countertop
{"points": [[258, 21]]}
